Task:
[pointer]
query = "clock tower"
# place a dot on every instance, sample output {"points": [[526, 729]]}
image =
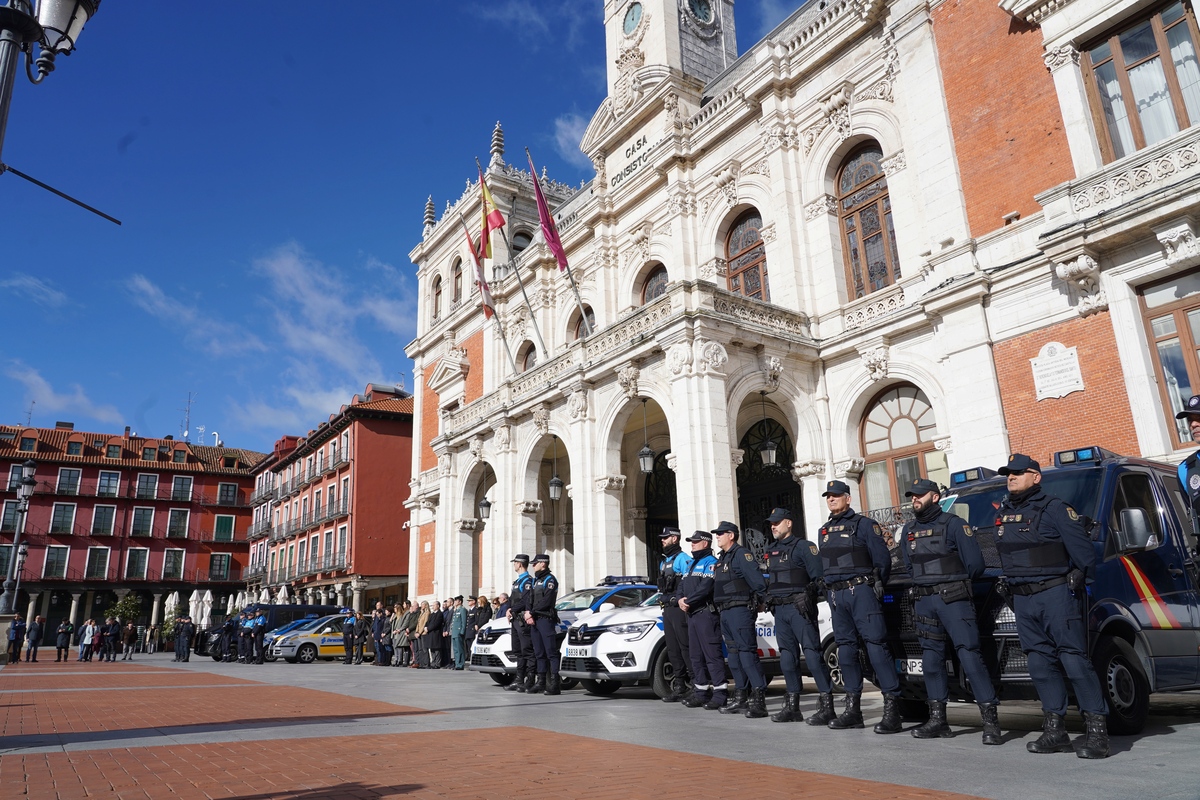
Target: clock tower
{"points": [[649, 39]]}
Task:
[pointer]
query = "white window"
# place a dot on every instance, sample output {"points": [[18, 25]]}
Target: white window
{"points": [[68, 481], [97, 563], [143, 522], [104, 519], [147, 487], [177, 523], [56, 562], [108, 484], [62, 519], [172, 565], [343, 541], [135, 563], [227, 494], [223, 528], [14, 477], [181, 488], [9, 523]]}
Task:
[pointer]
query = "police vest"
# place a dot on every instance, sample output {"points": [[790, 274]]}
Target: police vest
{"points": [[930, 555], [541, 591], [841, 550], [728, 584], [668, 578], [788, 574], [518, 599], [1023, 552]]}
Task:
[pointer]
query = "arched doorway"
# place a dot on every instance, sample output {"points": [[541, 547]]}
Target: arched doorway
{"points": [[761, 487], [897, 433], [662, 510]]}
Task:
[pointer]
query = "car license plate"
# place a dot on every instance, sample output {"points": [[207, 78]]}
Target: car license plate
{"points": [[482, 649], [577, 652], [910, 666]]}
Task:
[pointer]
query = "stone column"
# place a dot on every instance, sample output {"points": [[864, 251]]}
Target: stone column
{"points": [[635, 545], [31, 611], [358, 586], [460, 558], [1078, 124], [75, 605]]}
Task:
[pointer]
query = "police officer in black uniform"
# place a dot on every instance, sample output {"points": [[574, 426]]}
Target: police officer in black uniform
{"points": [[1048, 559], [738, 585], [518, 604], [1189, 468], [228, 639], [943, 557], [543, 619], [246, 637], [856, 563], [695, 593], [793, 572], [348, 636], [671, 569]]}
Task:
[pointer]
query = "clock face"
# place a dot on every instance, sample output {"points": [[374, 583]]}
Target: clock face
{"points": [[702, 9], [632, 17]]}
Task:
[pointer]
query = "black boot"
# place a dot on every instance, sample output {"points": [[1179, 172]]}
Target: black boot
{"points": [[518, 685], [554, 684], [1054, 737], [791, 709], [991, 723], [717, 701], [936, 727], [695, 699], [757, 706], [539, 685], [736, 704], [675, 688], [824, 713], [1095, 742], [851, 716], [891, 715]]}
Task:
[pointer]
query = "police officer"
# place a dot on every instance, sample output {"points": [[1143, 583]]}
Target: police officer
{"points": [[737, 585], [793, 569], [542, 619], [856, 564], [943, 557], [246, 638], [674, 565], [1048, 559], [228, 639], [522, 638], [1189, 469], [260, 631], [695, 592], [186, 632], [348, 636]]}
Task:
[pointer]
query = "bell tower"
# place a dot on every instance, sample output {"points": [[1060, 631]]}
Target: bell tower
{"points": [[649, 39]]}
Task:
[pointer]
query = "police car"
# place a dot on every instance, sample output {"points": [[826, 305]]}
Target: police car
{"points": [[624, 647], [296, 626], [492, 651], [1143, 609], [321, 639]]}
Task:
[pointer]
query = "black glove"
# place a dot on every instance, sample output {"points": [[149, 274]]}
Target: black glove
{"points": [[1075, 581], [878, 587], [806, 605]]}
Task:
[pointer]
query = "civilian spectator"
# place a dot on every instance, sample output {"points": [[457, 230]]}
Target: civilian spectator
{"points": [[431, 635], [62, 642], [33, 638], [129, 639], [16, 639], [87, 637]]}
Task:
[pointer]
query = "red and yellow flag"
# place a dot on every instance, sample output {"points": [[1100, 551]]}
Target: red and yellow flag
{"points": [[492, 218]]}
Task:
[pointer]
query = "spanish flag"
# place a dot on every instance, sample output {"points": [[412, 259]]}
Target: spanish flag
{"points": [[492, 219]]}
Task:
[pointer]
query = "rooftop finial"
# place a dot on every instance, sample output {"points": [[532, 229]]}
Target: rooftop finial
{"points": [[430, 216], [497, 145]]}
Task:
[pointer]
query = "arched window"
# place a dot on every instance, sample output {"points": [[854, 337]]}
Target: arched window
{"points": [[746, 258], [655, 284], [437, 297], [528, 357], [521, 240], [865, 211], [897, 441], [591, 319], [457, 273]]}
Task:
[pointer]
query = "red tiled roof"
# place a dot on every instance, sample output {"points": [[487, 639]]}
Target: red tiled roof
{"points": [[402, 405]]}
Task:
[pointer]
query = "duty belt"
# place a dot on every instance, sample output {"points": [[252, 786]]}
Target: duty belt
{"points": [[858, 580], [783, 601], [925, 591], [1036, 586], [733, 604]]}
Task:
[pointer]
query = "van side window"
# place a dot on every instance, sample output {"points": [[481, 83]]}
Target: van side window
{"points": [[1134, 491], [1175, 492]]}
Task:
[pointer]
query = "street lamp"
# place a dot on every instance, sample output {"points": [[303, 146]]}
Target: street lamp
{"points": [[485, 505], [55, 27], [768, 448], [556, 483], [645, 455], [8, 600], [22, 554]]}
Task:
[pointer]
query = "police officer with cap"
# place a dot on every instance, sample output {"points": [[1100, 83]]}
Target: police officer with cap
{"points": [[674, 565], [518, 603], [695, 593], [543, 620], [260, 631], [1048, 558], [738, 583], [246, 638], [1189, 468], [348, 635], [856, 563], [793, 570], [943, 557]]}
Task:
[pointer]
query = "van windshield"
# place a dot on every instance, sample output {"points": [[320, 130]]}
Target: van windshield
{"points": [[1080, 488]]}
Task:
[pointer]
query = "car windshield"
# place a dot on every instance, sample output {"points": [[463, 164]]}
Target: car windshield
{"points": [[978, 504], [296, 624], [652, 600], [584, 598]]}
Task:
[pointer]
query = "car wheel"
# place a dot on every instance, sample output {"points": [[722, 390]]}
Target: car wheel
{"points": [[216, 658], [830, 656], [599, 688], [1124, 684], [271, 658], [290, 660], [502, 678], [307, 653], [568, 683], [663, 674]]}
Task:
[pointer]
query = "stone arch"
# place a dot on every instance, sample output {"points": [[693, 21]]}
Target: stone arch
{"points": [[847, 414], [714, 228], [631, 291], [798, 416], [821, 165]]}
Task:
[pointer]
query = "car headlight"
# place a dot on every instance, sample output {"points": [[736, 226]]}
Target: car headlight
{"points": [[287, 640], [633, 630]]}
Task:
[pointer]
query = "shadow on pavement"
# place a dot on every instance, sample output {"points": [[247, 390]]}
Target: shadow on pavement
{"points": [[355, 789]]}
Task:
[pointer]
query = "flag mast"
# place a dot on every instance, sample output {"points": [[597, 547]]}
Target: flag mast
{"points": [[550, 232], [485, 294]]}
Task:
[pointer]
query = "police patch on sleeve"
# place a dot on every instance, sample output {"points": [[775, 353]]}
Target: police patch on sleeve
{"points": [[813, 548], [1072, 514], [1194, 481], [748, 557], [878, 529]]}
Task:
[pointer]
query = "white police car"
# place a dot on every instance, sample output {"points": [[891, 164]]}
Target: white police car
{"points": [[492, 652], [615, 647]]}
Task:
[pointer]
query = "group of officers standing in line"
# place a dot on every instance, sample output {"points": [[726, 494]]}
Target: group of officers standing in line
{"points": [[1047, 559], [243, 638]]}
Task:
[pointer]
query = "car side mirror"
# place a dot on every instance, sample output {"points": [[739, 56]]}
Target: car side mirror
{"points": [[607, 606], [1135, 532]]}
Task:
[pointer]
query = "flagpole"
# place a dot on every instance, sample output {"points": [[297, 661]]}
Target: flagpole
{"points": [[500, 327], [537, 331], [587, 327], [482, 281]]}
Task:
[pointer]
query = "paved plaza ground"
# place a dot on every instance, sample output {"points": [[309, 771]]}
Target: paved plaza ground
{"points": [[155, 729]]}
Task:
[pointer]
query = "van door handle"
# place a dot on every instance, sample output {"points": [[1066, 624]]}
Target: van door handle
{"points": [[1175, 571]]}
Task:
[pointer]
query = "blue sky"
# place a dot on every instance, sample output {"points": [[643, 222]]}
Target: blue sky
{"points": [[270, 164]]}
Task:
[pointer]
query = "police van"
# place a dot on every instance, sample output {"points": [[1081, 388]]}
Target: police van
{"points": [[1143, 610]]}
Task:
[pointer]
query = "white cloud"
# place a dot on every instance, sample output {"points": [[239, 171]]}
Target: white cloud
{"points": [[198, 327], [75, 401], [35, 290], [771, 13], [538, 23], [568, 133]]}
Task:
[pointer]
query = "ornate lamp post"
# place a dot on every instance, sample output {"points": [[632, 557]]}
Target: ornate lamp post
{"points": [[8, 600]]}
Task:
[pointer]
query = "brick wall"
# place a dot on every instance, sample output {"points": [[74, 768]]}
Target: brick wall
{"points": [[1004, 114], [429, 420], [473, 385], [1099, 415], [425, 539]]}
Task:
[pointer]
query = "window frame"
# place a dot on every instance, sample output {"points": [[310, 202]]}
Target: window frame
{"points": [[77, 446], [435, 295], [646, 288], [108, 451], [116, 492], [133, 518], [232, 527], [56, 528], [187, 521], [87, 564], [182, 563], [4, 526], [15, 475], [138, 491], [67, 490], [760, 261], [179, 497], [1190, 347], [232, 496], [66, 562], [891, 455], [588, 313], [887, 228], [456, 281], [145, 551], [213, 572], [112, 527], [31, 441]]}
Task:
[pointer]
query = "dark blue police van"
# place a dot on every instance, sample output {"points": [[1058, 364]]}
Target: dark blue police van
{"points": [[1143, 610]]}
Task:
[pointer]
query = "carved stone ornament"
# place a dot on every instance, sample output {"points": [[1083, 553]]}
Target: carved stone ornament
{"points": [[822, 206], [672, 119], [726, 181], [476, 446], [577, 403], [894, 163], [541, 418], [1084, 272], [445, 465], [875, 360], [850, 468], [773, 366], [679, 359], [760, 167], [882, 88], [711, 357], [610, 483], [627, 378], [627, 89], [681, 201], [467, 525], [713, 268], [529, 506], [503, 435], [1062, 56], [736, 457], [672, 461], [637, 514], [1181, 246], [944, 443], [807, 469], [768, 233]]}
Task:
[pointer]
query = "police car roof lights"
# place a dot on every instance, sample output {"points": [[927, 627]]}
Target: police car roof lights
{"points": [[971, 475], [618, 580], [1082, 455]]}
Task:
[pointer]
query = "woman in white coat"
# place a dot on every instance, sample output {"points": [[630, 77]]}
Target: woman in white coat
{"points": [[87, 633]]}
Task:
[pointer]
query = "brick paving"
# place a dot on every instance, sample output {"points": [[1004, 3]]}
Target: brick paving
{"points": [[104, 680], [448, 764]]}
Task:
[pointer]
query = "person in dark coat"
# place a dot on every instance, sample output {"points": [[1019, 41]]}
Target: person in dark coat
{"points": [[62, 642], [16, 639], [447, 616], [362, 632], [111, 633], [431, 637], [33, 638]]}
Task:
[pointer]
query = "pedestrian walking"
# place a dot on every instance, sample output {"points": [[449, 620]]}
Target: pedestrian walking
{"points": [[33, 638], [709, 681], [522, 637], [674, 564], [62, 640], [543, 621], [16, 639], [737, 585], [151, 645]]}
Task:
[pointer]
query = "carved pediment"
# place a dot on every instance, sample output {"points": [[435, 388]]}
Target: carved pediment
{"points": [[450, 370]]}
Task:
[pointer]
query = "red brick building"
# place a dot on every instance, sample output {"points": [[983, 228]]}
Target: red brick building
{"points": [[120, 513], [329, 524]]}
